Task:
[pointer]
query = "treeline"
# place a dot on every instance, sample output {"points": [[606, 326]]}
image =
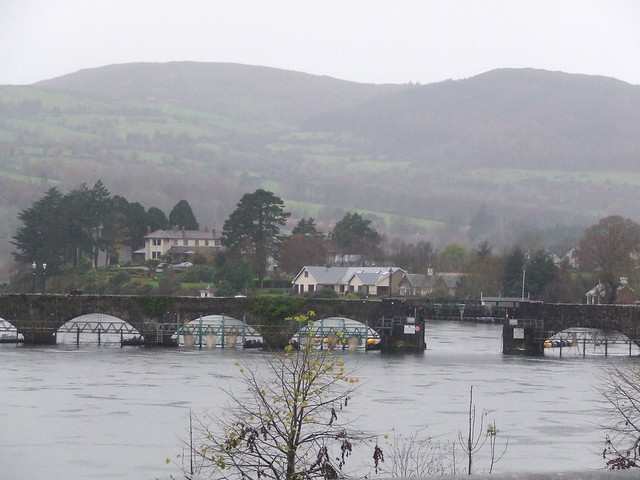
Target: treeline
{"points": [[69, 231], [61, 229]]}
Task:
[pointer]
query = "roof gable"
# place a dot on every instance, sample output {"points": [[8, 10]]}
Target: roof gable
{"points": [[183, 234]]}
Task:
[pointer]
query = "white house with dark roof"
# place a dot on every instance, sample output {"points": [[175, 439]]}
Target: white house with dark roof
{"points": [[179, 244], [342, 280]]}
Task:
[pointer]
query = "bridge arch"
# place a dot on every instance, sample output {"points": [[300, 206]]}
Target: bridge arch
{"points": [[338, 332], [591, 341], [98, 328], [9, 332], [213, 331]]}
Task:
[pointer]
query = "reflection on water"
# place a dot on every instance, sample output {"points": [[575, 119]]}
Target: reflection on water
{"points": [[106, 412]]}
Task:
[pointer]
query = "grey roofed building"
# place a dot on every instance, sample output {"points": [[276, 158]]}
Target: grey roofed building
{"points": [[179, 244], [344, 280]]}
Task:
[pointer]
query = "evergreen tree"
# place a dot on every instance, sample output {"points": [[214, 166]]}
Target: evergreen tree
{"points": [[42, 236], [512, 273], [307, 226], [156, 219], [182, 216], [353, 234], [541, 271], [253, 229]]}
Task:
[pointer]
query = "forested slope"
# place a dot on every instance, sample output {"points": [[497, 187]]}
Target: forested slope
{"points": [[480, 158]]}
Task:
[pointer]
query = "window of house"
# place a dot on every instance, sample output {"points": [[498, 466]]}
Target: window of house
{"points": [[306, 274], [197, 242], [185, 242], [156, 242], [206, 243], [175, 241]]}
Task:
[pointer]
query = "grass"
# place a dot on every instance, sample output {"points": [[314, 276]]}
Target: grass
{"points": [[509, 175]]}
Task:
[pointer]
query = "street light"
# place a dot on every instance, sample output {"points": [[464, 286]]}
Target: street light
{"points": [[34, 269], [390, 278], [33, 277]]}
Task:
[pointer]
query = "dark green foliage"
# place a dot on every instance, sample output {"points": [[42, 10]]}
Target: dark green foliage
{"points": [[541, 271], [512, 273], [168, 285], [61, 229], [354, 234], [253, 229], [273, 310], [306, 226], [225, 289], [116, 281], [198, 273], [42, 237], [154, 305], [324, 293], [240, 278], [182, 216], [156, 219], [134, 220]]}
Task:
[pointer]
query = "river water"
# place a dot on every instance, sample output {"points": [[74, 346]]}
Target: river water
{"points": [[101, 412]]}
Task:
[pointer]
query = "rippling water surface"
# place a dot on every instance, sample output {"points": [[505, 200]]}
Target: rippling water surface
{"points": [[108, 412]]}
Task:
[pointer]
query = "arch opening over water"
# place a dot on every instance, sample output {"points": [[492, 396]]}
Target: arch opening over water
{"points": [[98, 329], [338, 333], [590, 341], [9, 333], [212, 331]]}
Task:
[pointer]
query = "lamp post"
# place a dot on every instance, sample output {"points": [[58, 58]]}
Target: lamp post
{"points": [[390, 280], [34, 269], [524, 274]]}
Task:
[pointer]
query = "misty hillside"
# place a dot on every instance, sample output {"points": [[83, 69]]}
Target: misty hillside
{"points": [[239, 91], [508, 118], [493, 157]]}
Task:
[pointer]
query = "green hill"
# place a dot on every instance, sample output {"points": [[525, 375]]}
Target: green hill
{"points": [[482, 158]]}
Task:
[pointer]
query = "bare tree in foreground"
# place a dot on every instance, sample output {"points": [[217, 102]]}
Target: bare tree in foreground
{"points": [[622, 393], [416, 456], [477, 437], [287, 424]]}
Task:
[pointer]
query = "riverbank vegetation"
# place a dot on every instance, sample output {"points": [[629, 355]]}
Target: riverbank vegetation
{"points": [[80, 234]]}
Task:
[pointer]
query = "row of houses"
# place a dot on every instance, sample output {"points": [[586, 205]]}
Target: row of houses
{"points": [[180, 245], [373, 281]]}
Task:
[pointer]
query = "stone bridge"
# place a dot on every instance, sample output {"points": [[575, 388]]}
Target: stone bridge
{"points": [[38, 317]]}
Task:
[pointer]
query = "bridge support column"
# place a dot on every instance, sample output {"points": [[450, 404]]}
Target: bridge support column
{"points": [[524, 337], [401, 334], [39, 337]]}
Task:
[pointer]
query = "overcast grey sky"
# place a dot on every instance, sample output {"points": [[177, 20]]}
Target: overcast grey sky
{"points": [[377, 41]]}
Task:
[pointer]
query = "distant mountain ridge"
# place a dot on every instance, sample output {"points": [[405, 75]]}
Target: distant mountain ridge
{"points": [[488, 157], [507, 118], [231, 89]]}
